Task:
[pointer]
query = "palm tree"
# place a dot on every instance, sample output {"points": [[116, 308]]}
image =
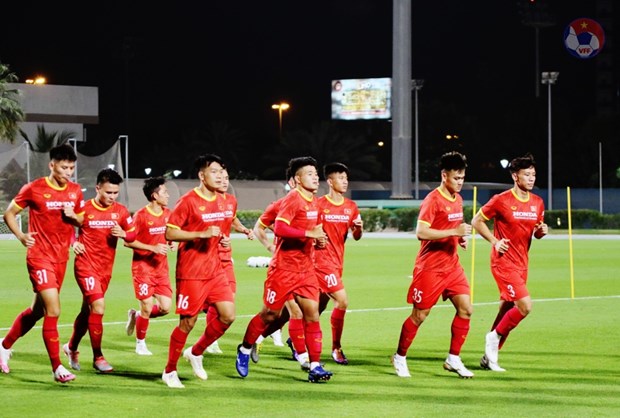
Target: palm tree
{"points": [[41, 145], [45, 141], [11, 112]]}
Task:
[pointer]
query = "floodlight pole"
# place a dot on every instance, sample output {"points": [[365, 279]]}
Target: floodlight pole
{"points": [[416, 85], [401, 103], [549, 78], [126, 138]]}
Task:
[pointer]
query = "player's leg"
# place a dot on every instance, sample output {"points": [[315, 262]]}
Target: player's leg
{"points": [[459, 330], [341, 304]]}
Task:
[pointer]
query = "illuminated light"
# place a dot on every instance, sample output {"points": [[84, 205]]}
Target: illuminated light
{"points": [[147, 171], [380, 143], [176, 173]]}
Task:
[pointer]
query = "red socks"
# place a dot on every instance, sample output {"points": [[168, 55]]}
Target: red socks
{"points": [[337, 322], [460, 329], [407, 334], [51, 340], [297, 334], [314, 340], [22, 324], [175, 348]]}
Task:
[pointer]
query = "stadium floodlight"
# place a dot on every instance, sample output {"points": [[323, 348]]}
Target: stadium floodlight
{"points": [[416, 85], [549, 78]]}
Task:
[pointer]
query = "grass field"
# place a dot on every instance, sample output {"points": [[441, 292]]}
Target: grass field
{"points": [[562, 361]]}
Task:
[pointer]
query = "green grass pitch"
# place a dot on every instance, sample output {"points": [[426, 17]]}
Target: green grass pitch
{"points": [[561, 361]]}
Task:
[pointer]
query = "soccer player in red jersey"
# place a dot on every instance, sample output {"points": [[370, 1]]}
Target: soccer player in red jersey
{"points": [[291, 271], [225, 249], [517, 216], [338, 215], [196, 223], [105, 221], [437, 271], [149, 267], [55, 208]]}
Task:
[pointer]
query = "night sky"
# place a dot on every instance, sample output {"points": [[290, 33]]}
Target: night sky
{"points": [[165, 73]]}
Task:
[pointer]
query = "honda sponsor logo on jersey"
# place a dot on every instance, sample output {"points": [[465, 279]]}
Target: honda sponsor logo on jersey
{"points": [[525, 215], [329, 217], [54, 204], [101, 223], [157, 230], [453, 217], [213, 216]]}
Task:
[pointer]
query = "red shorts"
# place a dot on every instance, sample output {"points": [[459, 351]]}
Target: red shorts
{"points": [[330, 280], [194, 295], [45, 274], [511, 283], [228, 267], [427, 286], [146, 287], [281, 285], [92, 285]]}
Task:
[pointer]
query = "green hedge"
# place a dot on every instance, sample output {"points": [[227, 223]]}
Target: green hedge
{"points": [[405, 219]]}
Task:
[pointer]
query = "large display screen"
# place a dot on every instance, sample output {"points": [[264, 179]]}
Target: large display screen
{"points": [[367, 98]]}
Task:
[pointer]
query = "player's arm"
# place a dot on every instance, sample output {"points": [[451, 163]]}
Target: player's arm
{"points": [[480, 224], [284, 230], [357, 228], [541, 230], [174, 233], [426, 233], [157, 248], [260, 232], [239, 227], [10, 219]]}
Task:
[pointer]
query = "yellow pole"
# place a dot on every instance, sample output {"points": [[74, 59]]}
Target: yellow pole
{"points": [[473, 245], [570, 245]]}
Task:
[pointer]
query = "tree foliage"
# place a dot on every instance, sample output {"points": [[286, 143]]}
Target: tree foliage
{"points": [[11, 112]]}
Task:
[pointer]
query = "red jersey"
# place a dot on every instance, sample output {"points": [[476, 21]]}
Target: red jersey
{"points": [[268, 218], [440, 211], [337, 220], [150, 230], [514, 219], [54, 231], [98, 241], [198, 259], [230, 213], [296, 254]]}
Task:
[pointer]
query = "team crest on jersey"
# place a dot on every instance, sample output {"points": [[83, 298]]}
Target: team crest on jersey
{"points": [[47, 195], [448, 208], [72, 195], [114, 215], [229, 206], [533, 208], [326, 210], [201, 208], [347, 211], [513, 208], [91, 216], [150, 223]]}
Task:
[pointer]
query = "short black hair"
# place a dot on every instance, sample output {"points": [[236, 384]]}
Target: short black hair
{"points": [[151, 185], [521, 163], [296, 163], [206, 160], [64, 152], [334, 168], [453, 160], [109, 175]]}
